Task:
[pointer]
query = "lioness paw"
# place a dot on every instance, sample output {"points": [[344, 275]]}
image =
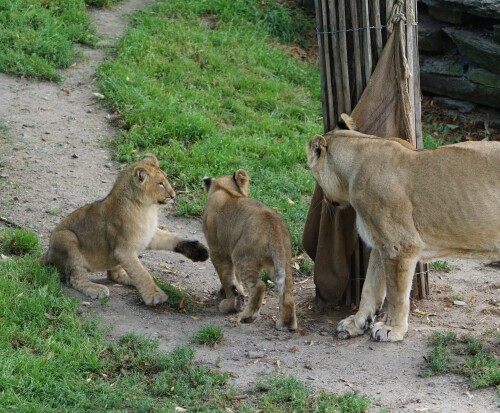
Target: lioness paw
{"points": [[352, 327], [193, 249], [382, 332]]}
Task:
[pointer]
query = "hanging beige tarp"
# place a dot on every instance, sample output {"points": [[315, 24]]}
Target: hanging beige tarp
{"points": [[386, 108]]}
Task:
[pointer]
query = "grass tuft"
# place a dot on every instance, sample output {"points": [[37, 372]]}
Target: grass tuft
{"points": [[209, 335], [19, 242], [468, 355]]}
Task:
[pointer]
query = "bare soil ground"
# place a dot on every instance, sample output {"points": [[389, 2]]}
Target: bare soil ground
{"points": [[55, 157]]}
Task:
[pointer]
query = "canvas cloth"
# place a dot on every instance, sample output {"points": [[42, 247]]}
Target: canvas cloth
{"points": [[330, 236]]}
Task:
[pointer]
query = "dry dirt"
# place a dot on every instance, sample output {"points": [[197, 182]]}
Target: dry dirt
{"points": [[55, 157]]}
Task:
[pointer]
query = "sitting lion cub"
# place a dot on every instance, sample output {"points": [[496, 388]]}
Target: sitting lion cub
{"points": [[410, 205], [106, 235], [245, 236]]}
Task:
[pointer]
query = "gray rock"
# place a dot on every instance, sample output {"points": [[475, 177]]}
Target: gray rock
{"points": [[484, 77], [476, 47], [431, 37], [443, 65], [496, 33], [460, 105], [489, 9], [459, 88]]}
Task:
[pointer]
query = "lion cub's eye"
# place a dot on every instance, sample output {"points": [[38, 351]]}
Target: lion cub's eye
{"points": [[162, 184]]}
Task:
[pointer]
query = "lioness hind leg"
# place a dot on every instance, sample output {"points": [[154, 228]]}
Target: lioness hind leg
{"points": [[256, 289], [399, 274], [372, 299]]}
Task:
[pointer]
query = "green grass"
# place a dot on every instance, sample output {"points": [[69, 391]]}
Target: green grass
{"points": [[18, 242], [280, 394], [209, 98], [209, 335], [472, 356], [178, 298], [439, 266], [38, 38], [53, 360]]}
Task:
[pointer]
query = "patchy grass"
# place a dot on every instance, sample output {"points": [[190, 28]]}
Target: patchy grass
{"points": [[475, 357], [203, 86], [279, 394], [209, 335]]}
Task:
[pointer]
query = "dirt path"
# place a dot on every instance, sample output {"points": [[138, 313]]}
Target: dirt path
{"points": [[55, 157]]}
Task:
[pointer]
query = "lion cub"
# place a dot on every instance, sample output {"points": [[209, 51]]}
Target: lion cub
{"points": [[106, 235], [245, 236]]}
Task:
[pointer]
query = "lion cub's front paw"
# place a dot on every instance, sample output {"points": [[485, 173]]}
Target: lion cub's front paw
{"points": [[154, 296], [350, 327], [382, 332], [194, 250]]}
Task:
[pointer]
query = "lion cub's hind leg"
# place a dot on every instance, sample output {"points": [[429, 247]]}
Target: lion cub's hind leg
{"points": [[119, 275], [234, 297], [64, 253], [248, 273], [288, 318], [372, 299]]}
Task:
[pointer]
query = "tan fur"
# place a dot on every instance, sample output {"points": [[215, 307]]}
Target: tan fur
{"points": [[245, 236], [410, 205], [107, 234]]}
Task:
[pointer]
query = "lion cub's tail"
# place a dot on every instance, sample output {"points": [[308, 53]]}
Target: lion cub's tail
{"points": [[282, 273]]}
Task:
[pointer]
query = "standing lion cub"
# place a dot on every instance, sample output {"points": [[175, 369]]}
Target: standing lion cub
{"points": [[245, 236], [106, 235]]}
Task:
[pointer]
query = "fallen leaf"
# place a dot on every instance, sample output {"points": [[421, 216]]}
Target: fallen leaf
{"points": [[290, 201], [419, 312], [472, 298], [99, 95]]}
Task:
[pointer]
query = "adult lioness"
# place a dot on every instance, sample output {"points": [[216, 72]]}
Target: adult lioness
{"points": [[409, 205], [106, 235], [244, 236]]}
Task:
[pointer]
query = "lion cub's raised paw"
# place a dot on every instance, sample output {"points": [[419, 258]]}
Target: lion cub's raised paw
{"points": [[192, 249]]}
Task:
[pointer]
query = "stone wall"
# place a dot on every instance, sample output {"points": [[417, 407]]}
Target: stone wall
{"points": [[459, 47]]}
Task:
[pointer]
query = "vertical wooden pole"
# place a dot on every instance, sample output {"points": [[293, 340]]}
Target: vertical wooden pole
{"points": [[359, 53]]}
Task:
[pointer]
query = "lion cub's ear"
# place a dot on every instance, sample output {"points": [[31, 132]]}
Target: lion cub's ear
{"points": [[207, 183], [150, 159], [140, 174], [242, 179]]}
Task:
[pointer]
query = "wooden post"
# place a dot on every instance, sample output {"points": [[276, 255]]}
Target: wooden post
{"points": [[351, 36]]}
